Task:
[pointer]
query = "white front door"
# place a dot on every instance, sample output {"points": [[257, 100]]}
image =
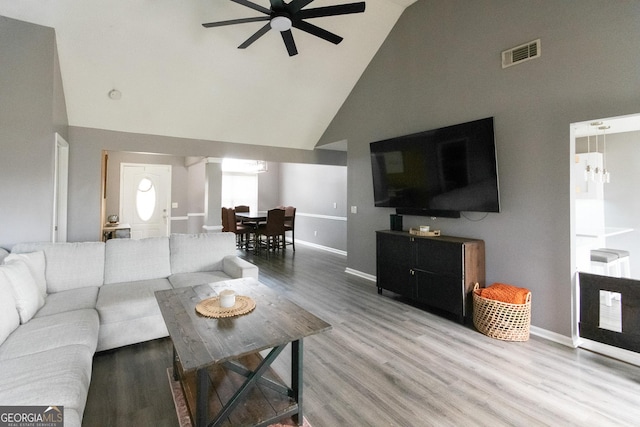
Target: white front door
{"points": [[145, 199]]}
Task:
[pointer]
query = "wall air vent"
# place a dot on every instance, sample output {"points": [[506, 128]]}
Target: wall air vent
{"points": [[522, 53]]}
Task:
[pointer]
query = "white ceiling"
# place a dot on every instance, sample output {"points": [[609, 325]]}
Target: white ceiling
{"points": [[180, 79]]}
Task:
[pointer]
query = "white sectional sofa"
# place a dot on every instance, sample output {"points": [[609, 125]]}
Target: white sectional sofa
{"points": [[62, 302]]}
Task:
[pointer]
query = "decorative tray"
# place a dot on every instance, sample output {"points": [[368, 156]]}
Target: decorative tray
{"points": [[210, 307], [417, 232]]}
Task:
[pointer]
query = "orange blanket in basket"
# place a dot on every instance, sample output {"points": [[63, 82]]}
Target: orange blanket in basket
{"points": [[505, 293]]}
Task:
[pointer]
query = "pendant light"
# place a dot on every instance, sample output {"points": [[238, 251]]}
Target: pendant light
{"points": [[597, 176], [588, 171], [606, 176]]}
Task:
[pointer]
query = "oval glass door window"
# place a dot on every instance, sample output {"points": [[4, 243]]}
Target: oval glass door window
{"points": [[145, 199]]}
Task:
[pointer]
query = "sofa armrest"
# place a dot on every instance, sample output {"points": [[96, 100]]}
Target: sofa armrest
{"points": [[236, 267]]}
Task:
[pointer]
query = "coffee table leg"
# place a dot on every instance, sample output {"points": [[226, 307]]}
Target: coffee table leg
{"points": [[202, 397], [176, 376], [296, 377]]}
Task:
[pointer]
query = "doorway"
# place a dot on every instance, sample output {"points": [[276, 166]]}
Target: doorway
{"points": [[60, 189], [605, 233], [145, 199]]}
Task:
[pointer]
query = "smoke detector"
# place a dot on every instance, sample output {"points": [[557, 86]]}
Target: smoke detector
{"points": [[115, 94]]}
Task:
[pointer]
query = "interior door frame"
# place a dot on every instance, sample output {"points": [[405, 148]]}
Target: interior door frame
{"points": [[620, 353], [60, 189]]}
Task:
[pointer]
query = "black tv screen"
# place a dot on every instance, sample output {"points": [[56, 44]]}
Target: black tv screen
{"points": [[450, 169]]}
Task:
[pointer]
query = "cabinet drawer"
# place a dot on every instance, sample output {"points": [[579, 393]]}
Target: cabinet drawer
{"points": [[439, 256]]}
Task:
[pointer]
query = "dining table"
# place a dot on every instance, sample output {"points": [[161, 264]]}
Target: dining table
{"points": [[255, 217], [252, 216]]}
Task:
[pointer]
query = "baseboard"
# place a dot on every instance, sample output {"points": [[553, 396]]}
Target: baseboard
{"points": [[324, 248], [552, 336], [366, 276], [610, 351]]}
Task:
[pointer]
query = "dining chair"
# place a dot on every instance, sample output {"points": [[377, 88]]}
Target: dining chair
{"points": [[290, 225], [243, 232], [245, 208], [273, 231], [224, 215]]}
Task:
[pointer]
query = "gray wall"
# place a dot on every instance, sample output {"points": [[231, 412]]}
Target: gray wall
{"points": [[269, 187], [313, 190], [32, 109], [441, 66]]}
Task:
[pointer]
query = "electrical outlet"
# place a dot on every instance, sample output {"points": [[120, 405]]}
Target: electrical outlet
{"points": [[174, 205], [315, 233], [335, 205]]}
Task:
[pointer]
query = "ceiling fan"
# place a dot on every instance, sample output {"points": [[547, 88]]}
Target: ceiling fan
{"points": [[282, 16]]}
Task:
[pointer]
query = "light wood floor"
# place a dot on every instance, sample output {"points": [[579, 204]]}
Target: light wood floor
{"points": [[387, 363]]}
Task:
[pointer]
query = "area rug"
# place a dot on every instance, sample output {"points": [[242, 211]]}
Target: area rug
{"points": [[182, 410]]}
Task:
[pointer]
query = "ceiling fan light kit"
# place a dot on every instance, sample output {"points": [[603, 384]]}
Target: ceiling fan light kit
{"points": [[280, 23], [284, 16]]}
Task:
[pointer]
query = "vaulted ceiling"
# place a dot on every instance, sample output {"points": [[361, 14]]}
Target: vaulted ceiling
{"points": [[177, 78]]}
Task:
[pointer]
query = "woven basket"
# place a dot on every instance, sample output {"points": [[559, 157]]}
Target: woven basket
{"points": [[501, 320]]}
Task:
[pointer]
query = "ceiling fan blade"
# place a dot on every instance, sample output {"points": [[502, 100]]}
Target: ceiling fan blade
{"points": [[296, 5], [261, 32], [317, 31], [236, 21], [277, 4], [341, 9], [253, 6], [287, 36]]}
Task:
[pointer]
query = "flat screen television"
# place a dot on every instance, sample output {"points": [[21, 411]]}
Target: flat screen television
{"points": [[439, 172]]}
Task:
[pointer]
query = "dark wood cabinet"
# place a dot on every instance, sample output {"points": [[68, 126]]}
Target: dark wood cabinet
{"points": [[436, 271]]}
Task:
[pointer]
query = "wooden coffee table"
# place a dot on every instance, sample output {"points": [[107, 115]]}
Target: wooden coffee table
{"points": [[224, 377]]}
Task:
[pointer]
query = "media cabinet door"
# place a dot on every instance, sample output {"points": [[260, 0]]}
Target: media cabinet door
{"points": [[440, 291], [439, 274], [393, 264]]}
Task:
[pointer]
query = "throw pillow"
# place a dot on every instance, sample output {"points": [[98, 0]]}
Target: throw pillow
{"points": [[25, 290], [9, 318], [36, 263]]}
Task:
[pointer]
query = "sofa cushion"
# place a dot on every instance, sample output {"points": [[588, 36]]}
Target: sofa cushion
{"points": [[200, 252], [9, 317], [59, 376], [79, 327], [3, 254], [36, 263], [129, 300], [128, 260], [69, 265], [141, 329], [183, 280], [25, 290], [73, 299]]}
